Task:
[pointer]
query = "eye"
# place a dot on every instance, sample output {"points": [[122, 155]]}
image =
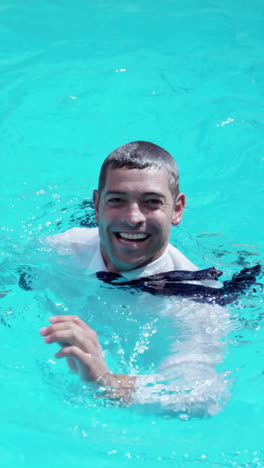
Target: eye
{"points": [[153, 202], [115, 201]]}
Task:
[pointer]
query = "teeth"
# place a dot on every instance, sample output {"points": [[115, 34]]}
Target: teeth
{"points": [[129, 235]]}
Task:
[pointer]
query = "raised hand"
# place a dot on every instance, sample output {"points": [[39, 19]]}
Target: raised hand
{"points": [[81, 348], [79, 344]]}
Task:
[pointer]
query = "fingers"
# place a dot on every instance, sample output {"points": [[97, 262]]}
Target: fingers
{"points": [[70, 331], [89, 366], [72, 364], [80, 346], [68, 318], [78, 361], [67, 336], [64, 326], [71, 352], [71, 337], [59, 326]]}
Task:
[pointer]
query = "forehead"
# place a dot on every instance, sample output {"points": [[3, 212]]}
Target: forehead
{"points": [[137, 180]]}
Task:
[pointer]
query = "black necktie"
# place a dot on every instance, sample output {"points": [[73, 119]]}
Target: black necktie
{"points": [[173, 283]]}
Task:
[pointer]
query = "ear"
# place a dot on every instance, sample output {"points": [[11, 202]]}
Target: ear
{"points": [[178, 209], [96, 203]]}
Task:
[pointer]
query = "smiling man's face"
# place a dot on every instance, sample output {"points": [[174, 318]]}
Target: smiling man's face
{"points": [[134, 212]]}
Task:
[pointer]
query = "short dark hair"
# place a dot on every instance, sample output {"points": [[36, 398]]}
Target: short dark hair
{"points": [[141, 155]]}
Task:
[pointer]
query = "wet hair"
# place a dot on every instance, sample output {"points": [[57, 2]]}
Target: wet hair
{"points": [[142, 155]]}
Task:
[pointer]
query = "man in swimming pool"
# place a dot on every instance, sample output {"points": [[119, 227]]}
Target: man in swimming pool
{"points": [[137, 201]]}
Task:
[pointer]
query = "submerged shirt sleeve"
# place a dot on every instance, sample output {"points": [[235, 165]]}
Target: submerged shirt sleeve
{"points": [[188, 382]]}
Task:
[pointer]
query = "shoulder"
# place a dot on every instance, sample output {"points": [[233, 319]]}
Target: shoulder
{"points": [[180, 262], [74, 239]]}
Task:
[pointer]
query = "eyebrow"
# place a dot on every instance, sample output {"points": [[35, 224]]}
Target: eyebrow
{"points": [[154, 194], [145, 194]]}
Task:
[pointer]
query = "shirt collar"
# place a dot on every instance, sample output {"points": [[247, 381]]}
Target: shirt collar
{"points": [[161, 264]]}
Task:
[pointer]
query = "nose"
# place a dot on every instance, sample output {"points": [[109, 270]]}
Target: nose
{"points": [[133, 215]]}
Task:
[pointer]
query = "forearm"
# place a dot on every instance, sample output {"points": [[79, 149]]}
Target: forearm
{"points": [[196, 390], [204, 396]]}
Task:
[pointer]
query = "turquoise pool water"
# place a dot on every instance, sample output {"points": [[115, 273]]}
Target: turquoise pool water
{"points": [[79, 79]]}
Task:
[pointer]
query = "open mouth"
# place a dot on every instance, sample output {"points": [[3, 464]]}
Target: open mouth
{"points": [[132, 237]]}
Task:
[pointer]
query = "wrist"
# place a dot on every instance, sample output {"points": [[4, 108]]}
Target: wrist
{"points": [[119, 387], [108, 380]]}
